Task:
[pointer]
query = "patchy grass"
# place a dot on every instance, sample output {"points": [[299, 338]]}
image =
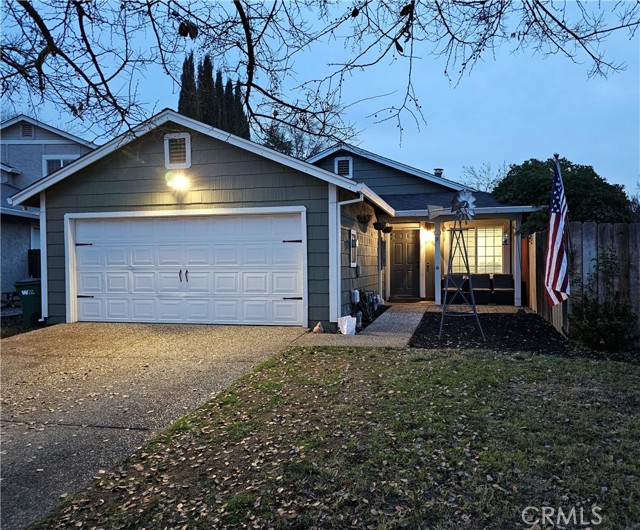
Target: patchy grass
{"points": [[346, 438]]}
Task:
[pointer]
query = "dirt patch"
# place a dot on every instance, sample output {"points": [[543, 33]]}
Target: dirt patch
{"points": [[519, 332], [12, 325]]}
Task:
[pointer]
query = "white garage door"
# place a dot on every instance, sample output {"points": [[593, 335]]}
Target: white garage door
{"points": [[214, 269]]}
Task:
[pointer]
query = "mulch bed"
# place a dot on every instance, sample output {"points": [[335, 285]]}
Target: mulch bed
{"points": [[509, 333]]}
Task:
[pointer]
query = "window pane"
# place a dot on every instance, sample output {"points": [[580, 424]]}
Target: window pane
{"points": [[489, 250], [53, 165]]}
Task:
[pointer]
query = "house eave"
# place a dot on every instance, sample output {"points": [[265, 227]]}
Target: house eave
{"points": [[162, 118], [446, 212], [19, 213], [49, 128]]}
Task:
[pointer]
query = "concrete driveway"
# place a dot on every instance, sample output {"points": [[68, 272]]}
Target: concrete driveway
{"points": [[79, 398]]}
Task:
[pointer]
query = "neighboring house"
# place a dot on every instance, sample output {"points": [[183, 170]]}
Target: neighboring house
{"points": [[177, 221], [29, 151]]}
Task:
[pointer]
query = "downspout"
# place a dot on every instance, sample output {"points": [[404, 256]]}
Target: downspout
{"points": [[339, 206]]}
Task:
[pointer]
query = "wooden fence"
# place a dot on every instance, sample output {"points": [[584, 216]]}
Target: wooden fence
{"points": [[589, 245]]}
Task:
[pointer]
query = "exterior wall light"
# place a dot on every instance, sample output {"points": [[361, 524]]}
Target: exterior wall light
{"points": [[178, 182]]}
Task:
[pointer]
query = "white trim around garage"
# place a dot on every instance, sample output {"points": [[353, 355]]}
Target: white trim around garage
{"points": [[334, 254], [70, 255]]}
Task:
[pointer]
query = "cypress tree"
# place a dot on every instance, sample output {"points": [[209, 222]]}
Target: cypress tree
{"points": [[207, 103], [239, 115], [219, 97], [187, 100]]}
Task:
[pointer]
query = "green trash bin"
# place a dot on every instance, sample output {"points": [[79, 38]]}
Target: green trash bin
{"points": [[29, 293]]}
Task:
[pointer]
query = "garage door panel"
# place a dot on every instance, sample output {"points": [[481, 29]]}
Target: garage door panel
{"points": [[286, 311], [255, 311], [169, 282], [288, 254], [226, 283], [143, 310], [198, 282], [255, 255], [117, 282], [90, 282], [117, 309], [226, 256], [197, 255], [217, 269], [143, 282], [255, 283], [91, 309], [90, 256], [143, 256], [286, 283], [170, 256], [116, 256], [171, 309], [226, 311]]}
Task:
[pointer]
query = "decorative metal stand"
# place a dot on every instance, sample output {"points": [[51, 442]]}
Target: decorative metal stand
{"points": [[463, 209]]}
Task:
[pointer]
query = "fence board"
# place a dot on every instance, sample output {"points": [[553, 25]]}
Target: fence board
{"points": [[588, 243]]}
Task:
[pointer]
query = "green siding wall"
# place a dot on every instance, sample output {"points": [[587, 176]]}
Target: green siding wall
{"points": [[382, 179], [222, 176], [367, 253]]}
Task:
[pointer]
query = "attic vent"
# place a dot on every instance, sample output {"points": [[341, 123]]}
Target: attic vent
{"points": [[343, 166], [26, 130], [177, 151]]}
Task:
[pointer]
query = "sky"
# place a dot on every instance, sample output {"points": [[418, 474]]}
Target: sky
{"points": [[506, 110]]}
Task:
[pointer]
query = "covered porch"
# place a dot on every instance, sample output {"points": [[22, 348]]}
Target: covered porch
{"points": [[414, 256]]}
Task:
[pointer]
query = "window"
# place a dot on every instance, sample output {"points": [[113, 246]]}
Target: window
{"points": [[343, 166], [489, 249], [353, 248], [484, 248], [26, 130], [51, 163], [177, 151]]}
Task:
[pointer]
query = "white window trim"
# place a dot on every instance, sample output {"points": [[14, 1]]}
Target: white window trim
{"points": [[339, 159], [46, 158], [353, 249], [71, 294], [167, 160]]}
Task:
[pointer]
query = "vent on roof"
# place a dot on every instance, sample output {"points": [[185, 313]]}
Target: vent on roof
{"points": [[26, 130], [177, 151], [343, 166], [438, 171]]}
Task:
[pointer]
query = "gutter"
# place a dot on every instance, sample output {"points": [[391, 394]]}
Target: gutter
{"points": [[493, 210]]}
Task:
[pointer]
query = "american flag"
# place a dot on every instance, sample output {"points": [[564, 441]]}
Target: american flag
{"points": [[556, 277]]}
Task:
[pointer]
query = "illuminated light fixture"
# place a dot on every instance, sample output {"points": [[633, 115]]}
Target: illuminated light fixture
{"points": [[428, 236], [178, 182]]}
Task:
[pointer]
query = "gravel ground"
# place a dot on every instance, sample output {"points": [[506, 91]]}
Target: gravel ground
{"points": [[79, 398]]}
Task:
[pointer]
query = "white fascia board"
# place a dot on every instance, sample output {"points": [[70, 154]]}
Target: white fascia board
{"points": [[20, 213], [172, 116], [374, 198], [494, 210], [10, 169], [59, 132], [389, 163]]}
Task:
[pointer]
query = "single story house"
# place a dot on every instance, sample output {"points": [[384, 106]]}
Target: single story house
{"points": [[176, 221]]}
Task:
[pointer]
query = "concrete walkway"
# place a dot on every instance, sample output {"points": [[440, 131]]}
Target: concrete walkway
{"points": [[392, 329]]}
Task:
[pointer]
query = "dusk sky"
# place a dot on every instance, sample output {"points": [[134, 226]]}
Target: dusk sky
{"points": [[509, 110]]}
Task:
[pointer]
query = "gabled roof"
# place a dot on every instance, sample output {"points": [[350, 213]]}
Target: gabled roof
{"points": [[387, 162], [54, 130], [169, 115]]}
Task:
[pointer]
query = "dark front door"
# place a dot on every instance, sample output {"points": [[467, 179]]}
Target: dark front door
{"points": [[405, 263]]}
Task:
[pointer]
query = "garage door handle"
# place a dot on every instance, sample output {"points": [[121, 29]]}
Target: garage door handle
{"points": [[186, 275], [180, 275], [292, 297]]}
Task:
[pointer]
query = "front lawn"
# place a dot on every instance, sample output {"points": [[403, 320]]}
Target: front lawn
{"points": [[373, 438]]}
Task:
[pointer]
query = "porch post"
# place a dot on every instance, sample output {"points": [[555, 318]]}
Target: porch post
{"points": [[517, 262], [437, 274]]}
